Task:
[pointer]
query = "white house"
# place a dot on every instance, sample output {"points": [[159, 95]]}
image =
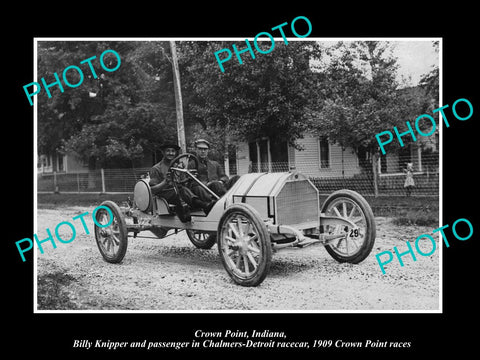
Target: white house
{"points": [[319, 158], [60, 163]]}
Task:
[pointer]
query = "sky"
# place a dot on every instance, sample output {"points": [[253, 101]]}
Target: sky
{"points": [[415, 58]]}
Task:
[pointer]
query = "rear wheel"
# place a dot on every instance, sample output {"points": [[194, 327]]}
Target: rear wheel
{"points": [[111, 232], [357, 242], [244, 245], [201, 239]]}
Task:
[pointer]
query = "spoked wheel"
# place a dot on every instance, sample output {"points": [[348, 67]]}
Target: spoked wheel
{"points": [[201, 239], [244, 245], [357, 242], [111, 235]]}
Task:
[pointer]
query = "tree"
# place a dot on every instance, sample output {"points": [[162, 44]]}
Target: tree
{"points": [[431, 82], [361, 98], [265, 96], [114, 119], [359, 95]]}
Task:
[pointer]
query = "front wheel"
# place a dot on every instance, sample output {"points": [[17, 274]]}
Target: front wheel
{"points": [[356, 243], [111, 235], [244, 245]]}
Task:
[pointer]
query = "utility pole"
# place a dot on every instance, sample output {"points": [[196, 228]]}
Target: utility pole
{"points": [[375, 172], [178, 99], [226, 160]]}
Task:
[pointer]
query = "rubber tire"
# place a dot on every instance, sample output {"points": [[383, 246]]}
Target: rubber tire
{"points": [[123, 235], [206, 244], [264, 241], [370, 232]]}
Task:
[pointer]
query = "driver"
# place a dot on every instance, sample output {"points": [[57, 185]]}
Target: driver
{"points": [[161, 182]]}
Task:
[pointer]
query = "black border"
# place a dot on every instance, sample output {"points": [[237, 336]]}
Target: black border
{"points": [[429, 333]]}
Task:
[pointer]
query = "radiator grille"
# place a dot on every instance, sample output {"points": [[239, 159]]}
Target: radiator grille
{"points": [[297, 203]]}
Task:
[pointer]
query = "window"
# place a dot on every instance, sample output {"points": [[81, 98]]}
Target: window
{"points": [[268, 155], [324, 148], [404, 157], [60, 163], [363, 158], [252, 150], [279, 155], [232, 159], [383, 164]]}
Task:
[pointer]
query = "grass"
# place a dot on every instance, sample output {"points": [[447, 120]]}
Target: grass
{"points": [[417, 211], [422, 211], [420, 217], [404, 210]]}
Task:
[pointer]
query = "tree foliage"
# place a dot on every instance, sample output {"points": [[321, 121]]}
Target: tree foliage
{"points": [[116, 118], [360, 95], [430, 82], [265, 96]]}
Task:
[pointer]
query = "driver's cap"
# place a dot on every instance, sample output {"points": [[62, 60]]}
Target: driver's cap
{"points": [[170, 146], [202, 144]]}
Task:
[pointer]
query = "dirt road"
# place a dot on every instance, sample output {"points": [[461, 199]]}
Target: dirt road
{"points": [[171, 274]]}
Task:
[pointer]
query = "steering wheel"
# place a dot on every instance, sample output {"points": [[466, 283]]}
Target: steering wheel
{"points": [[181, 168]]}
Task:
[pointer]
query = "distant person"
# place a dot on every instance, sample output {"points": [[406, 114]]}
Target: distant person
{"points": [[409, 183]]}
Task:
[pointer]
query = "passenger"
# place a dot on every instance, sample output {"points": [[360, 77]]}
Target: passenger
{"points": [[210, 172], [161, 182]]}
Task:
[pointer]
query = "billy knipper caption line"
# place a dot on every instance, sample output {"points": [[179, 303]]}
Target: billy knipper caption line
{"points": [[238, 339]]}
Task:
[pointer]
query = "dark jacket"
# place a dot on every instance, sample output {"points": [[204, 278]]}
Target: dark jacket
{"points": [[159, 172], [210, 170]]}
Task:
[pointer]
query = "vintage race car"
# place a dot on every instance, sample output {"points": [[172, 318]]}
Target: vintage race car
{"points": [[259, 214]]}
